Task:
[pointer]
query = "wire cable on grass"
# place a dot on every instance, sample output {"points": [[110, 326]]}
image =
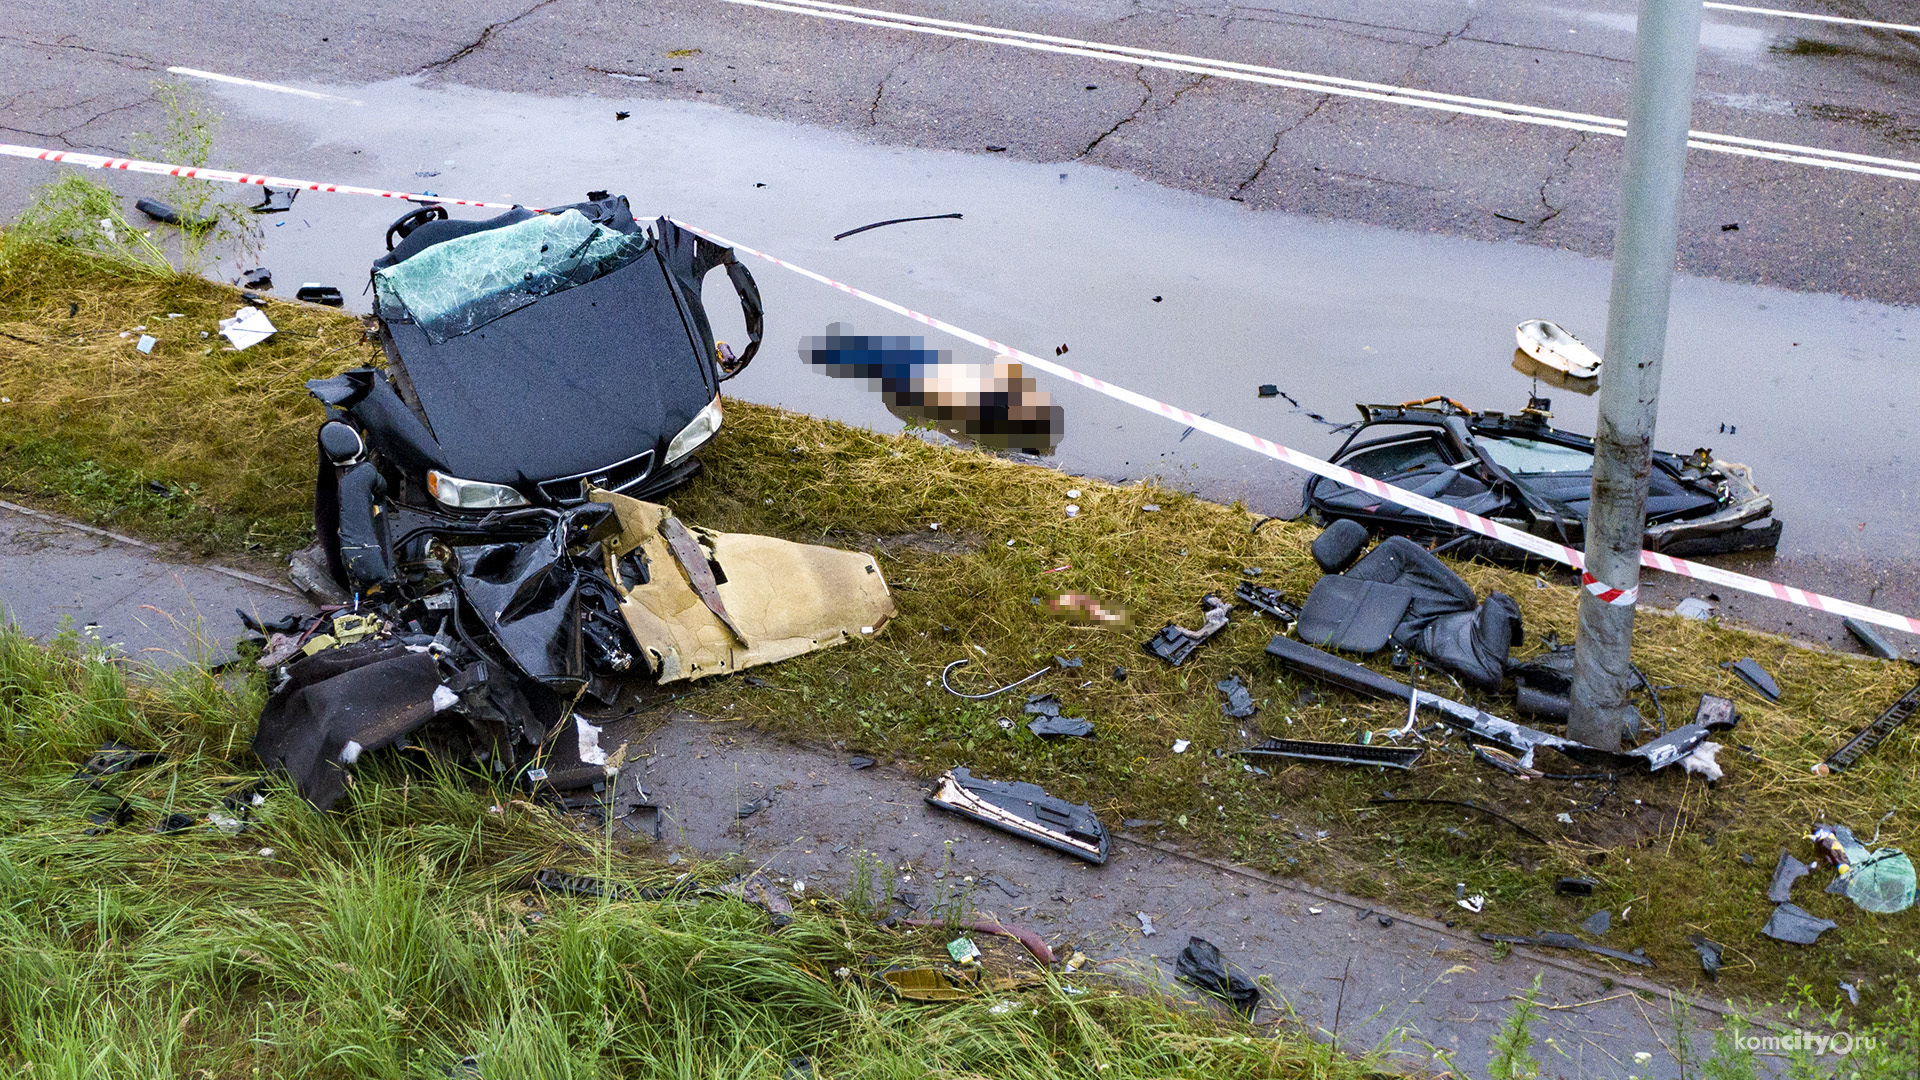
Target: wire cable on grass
{"points": [[991, 693]]}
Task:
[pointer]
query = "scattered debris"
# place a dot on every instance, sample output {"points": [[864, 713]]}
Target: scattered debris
{"points": [[1875, 642], [1881, 882], [1755, 676], [1598, 923], [1072, 727], [1548, 344], [1201, 965], [1574, 886], [112, 759], [1267, 601], [315, 293], [248, 327], [1785, 873], [1180, 745], [1694, 608], [858, 763], [1873, 734], [897, 221], [1269, 390], [275, 200], [165, 213], [1554, 940], [173, 823], [1475, 903], [1793, 924], [748, 809], [1239, 704], [1709, 955], [1175, 644], [1393, 757], [1024, 810], [1852, 992], [1146, 923], [963, 950]]}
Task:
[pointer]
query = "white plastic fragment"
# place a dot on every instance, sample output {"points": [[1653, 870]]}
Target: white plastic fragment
{"points": [[1564, 818], [1073, 510], [1151, 508], [266, 853], [1694, 608], [1073, 493], [590, 752], [1473, 903], [444, 697], [1180, 745], [226, 823], [1700, 760], [350, 753], [249, 326], [146, 343]]}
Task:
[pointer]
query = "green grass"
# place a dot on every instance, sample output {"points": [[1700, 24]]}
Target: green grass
{"points": [[1673, 855], [395, 940]]}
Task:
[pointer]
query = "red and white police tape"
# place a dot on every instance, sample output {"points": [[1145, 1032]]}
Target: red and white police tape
{"points": [[1453, 515]]}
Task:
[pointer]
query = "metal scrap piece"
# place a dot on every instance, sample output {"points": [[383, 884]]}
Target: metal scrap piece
{"points": [[1239, 704], [1024, 810], [1175, 643], [1755, 676], [1876, 733], [1552, 939], [1393, 757]]}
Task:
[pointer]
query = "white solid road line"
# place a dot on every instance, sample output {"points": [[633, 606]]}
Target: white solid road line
{"points": [[1895, 168], [1864, 23], [236, 80]]}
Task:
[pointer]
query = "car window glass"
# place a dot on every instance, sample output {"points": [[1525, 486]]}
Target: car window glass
{"points": [[467, 282], [1525, 456], [1397, 459]]}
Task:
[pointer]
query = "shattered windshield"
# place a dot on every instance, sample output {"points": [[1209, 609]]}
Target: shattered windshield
{"points": [[1530, 456], [460, 285]]}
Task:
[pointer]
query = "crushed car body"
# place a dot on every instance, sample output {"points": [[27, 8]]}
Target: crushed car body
{"points": [[530, 357], [1518, 470]]}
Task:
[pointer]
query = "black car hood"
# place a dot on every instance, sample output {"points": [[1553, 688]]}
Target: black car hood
{"points": [[572, 380]]}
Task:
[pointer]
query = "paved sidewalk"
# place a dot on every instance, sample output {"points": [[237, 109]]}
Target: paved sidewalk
{"points": [[56, 573]]}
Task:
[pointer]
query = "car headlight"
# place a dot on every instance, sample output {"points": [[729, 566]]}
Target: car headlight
{"points": [[471, 494], [698, 430]]}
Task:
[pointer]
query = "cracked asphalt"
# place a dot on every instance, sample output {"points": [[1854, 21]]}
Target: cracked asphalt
{"points": [[80, 77]]}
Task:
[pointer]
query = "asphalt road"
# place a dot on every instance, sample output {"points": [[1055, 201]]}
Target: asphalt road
{"points": [[79, 76]]}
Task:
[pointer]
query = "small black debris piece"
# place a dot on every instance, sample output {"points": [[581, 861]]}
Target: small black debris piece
{"points": [[1014, 892], [747, 810], [1785, 872], [1875, 642], [1714, 714], [1175, 644], [115, 816], [158, 211], [858, 763], [1598, 923], [1386, 920], [1795, 925], [275, 200], [621, 115], [1064, 662], [1333, 753], [1575, 886], [1268, 601], [257, 278], [1709, 955], [897, 221], [1755, 676], [554, 881], [1730, 227], [288, 624], [1201, 965], [113, 758], [320, 294], [1119, 673], [1875, 733], [1339, 544], [799, 1068], [1239, 704], [1042, 705], [1024, 810], [174, 823], [1067, 726], [1554, 940], [1269, 390]]}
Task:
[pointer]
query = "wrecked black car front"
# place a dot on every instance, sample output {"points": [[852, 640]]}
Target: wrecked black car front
{"points": [[530, 357], [1517, 470]]}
